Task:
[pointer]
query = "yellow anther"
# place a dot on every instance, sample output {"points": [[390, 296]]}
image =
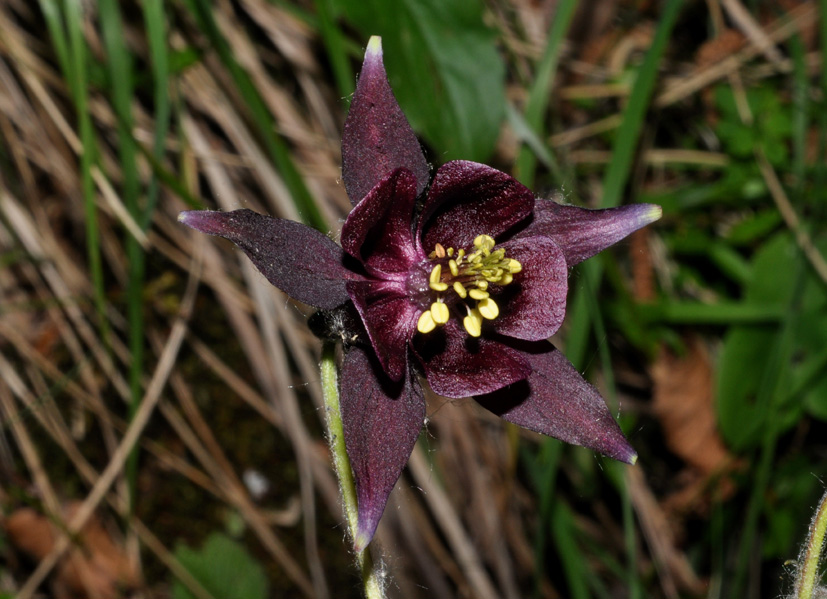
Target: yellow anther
{"points": [[439, 312], [434, 281], [470, 273], [485, 242], [426, 322], [473, 323], [488, 308], [436, 274]]}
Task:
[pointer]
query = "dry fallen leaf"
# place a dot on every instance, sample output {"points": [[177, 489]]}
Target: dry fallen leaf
{"points": [[683, 402], [95, 568]]}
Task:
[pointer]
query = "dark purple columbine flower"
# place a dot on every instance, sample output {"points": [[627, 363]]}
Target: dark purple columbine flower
{"points": [[461, 278]]}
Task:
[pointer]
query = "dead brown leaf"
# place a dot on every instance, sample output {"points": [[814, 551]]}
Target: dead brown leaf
{"points": [[683, 402], [95, 568], [716, 49]]}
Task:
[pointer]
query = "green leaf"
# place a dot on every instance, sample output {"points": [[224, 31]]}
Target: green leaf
{"points": [[745, 356], [444, 69], [754, 227], [771, 129], [224, 568]]}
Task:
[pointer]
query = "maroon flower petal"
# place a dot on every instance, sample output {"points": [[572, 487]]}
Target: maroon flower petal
{"points": [[467, 199], [300, 261], [555, 400], [458, 365], [390, 320], [381, 421], [378, 229], [533, 306], [582, 233], [377, 138]]}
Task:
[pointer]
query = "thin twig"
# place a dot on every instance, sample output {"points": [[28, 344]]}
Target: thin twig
{"points": [[782, 202]]}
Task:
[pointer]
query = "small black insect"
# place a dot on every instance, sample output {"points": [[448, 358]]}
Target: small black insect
{"points": [[340, 324]]}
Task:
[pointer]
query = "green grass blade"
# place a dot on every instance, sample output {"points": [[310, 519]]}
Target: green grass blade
{"points": [[275, 146], [538, 148], [544, 476], [770, 395], [335, 45], [538, 98], [54, 23], [77, 79], [801, 117], [628, 134], [159, 59], [121, 87], [820, 169], [721, 313], [617, 175], [615, 470]]}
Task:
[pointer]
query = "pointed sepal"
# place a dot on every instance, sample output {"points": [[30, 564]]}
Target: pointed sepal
{"points": [[381, 421], [581, 233], [556, 401], [377, 138], [299, 260]]}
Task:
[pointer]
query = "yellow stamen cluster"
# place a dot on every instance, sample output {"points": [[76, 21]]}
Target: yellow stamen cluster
{"points": [[469, 276]]}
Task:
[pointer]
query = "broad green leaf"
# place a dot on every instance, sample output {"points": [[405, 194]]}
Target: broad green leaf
{"points": [[754, 227], [224, 568], [745, 356], [771, 129], [444, 69]]}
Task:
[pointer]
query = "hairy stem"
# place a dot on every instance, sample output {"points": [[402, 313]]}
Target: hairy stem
{"points": [[330, 390], [811, 554]]}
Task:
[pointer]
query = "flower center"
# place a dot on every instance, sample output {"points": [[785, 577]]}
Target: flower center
{"points": [[467, 276]]}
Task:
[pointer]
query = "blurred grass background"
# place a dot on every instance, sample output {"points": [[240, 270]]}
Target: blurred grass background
{"points": [[157, 392]]}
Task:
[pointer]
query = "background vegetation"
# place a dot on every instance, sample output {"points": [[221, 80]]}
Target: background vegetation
{"points": [[156, 389]]}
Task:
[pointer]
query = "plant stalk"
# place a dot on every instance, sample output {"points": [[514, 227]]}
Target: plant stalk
{"points": [[371, 577], [811, 555]]}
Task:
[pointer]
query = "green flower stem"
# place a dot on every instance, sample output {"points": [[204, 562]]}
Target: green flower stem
{"points": [[811, 556], [347, 487]]}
